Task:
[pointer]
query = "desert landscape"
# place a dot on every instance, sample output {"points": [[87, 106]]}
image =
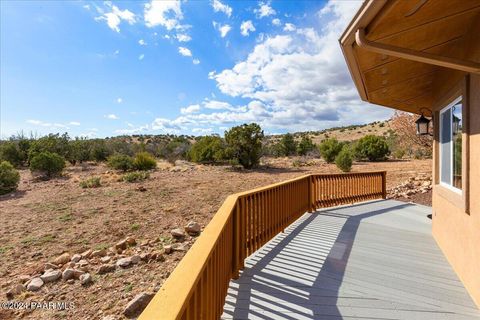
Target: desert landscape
{"points": [[124, 234]]}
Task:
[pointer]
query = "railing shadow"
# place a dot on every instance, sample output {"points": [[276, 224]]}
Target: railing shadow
{"points": [[298, 275]]}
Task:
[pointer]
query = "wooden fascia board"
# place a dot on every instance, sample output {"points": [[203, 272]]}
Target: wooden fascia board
{"points": [[362, 18]]}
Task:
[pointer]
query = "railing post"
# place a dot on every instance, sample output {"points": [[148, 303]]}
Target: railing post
{"points": [[384, 184], [311, 205], [236, 240]]}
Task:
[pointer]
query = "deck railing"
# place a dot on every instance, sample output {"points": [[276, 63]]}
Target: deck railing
{"points": [[197, 287]]}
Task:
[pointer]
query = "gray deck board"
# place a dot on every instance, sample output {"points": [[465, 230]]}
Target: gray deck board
{"points": [[374, 260]]}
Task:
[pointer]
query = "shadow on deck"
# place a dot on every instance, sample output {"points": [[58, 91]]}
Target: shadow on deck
{"points": [[374, 260]]}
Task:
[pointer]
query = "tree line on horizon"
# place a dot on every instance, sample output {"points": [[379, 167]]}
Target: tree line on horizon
{"points": [[241, 145]]}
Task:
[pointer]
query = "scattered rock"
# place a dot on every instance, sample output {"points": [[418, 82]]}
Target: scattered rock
{"points": [[71, 281], [64, 258], [82, 263], [121, 245], [168, 249], [35, 284], [131, 241], [109, 317], [76, 257], [77, 274], [99, 253], [51, 275], [141, 189], [193, 228], [178, 233], [137, 304], [22, 279], [49, 265], [68, 274], [86, 279], [106, 268], [178, 247], [86, 254], [105, 259], [124, 262], [15, 291], [135, 259]]}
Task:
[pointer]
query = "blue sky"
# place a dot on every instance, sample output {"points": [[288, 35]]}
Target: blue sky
{"points": [[101, 69]]}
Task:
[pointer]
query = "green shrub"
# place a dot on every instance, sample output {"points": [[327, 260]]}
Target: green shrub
{"points": [[305, 146], [9, 178], [120, 162], [135, 176], [344, 159], [99, 150], [9, 151], [244, 144], [144, 161], [81, 150], [175, 149], [329, 149], [399, 153], [93, 182], [286, 146], [47, 163], [208, 149], [373, 148], [53, 143]]}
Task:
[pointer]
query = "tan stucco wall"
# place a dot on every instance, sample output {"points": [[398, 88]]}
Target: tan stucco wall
{"points": [[456, 219]]}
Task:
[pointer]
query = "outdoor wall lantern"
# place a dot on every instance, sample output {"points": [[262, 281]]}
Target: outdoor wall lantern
{"points": [[423, 125]]}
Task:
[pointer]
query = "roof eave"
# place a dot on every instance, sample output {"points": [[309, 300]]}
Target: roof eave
{"points": [[365, 14]]}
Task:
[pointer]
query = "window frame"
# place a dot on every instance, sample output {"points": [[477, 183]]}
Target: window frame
{"points": [[448, 107]]}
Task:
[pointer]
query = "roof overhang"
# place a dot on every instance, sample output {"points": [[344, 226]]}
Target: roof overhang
{"points": [[395, 48]]}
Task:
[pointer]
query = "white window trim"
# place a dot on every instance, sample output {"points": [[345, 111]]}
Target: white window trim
{"points": [[443, 110]]}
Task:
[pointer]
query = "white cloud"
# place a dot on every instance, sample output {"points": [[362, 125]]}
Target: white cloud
{"points": [[140, 57], [119, 100], [74, 123], [289, 27], [221, 105], [132, 129], [223, 29], [220, 7], [142, 42], [166, 13], [116, 16], [111, 116], [190, 109], [47, 124], [276, 22], [202, 130], [196, 61], [86, 6], [264, 10], [166, 125], [296, 81], [246, 27], [88, 135], [184, 51], [183, 37]]}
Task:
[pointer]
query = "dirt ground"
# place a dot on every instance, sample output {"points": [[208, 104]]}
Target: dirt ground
{"points": [[44, 219]]}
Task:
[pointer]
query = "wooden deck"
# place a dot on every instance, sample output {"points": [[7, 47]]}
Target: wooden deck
{"points": [[374, 260]]}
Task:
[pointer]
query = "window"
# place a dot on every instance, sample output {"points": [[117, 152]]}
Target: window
{"points": [[451, 145]]}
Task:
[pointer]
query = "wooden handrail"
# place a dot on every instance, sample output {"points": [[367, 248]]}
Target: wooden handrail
{"points": [[197, 287]]}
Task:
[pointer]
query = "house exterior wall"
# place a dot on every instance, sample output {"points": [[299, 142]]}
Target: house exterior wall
{"points": [[456, 218]]}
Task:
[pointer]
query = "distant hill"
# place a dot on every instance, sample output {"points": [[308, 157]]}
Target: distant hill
{"points": [[346, 133]]}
